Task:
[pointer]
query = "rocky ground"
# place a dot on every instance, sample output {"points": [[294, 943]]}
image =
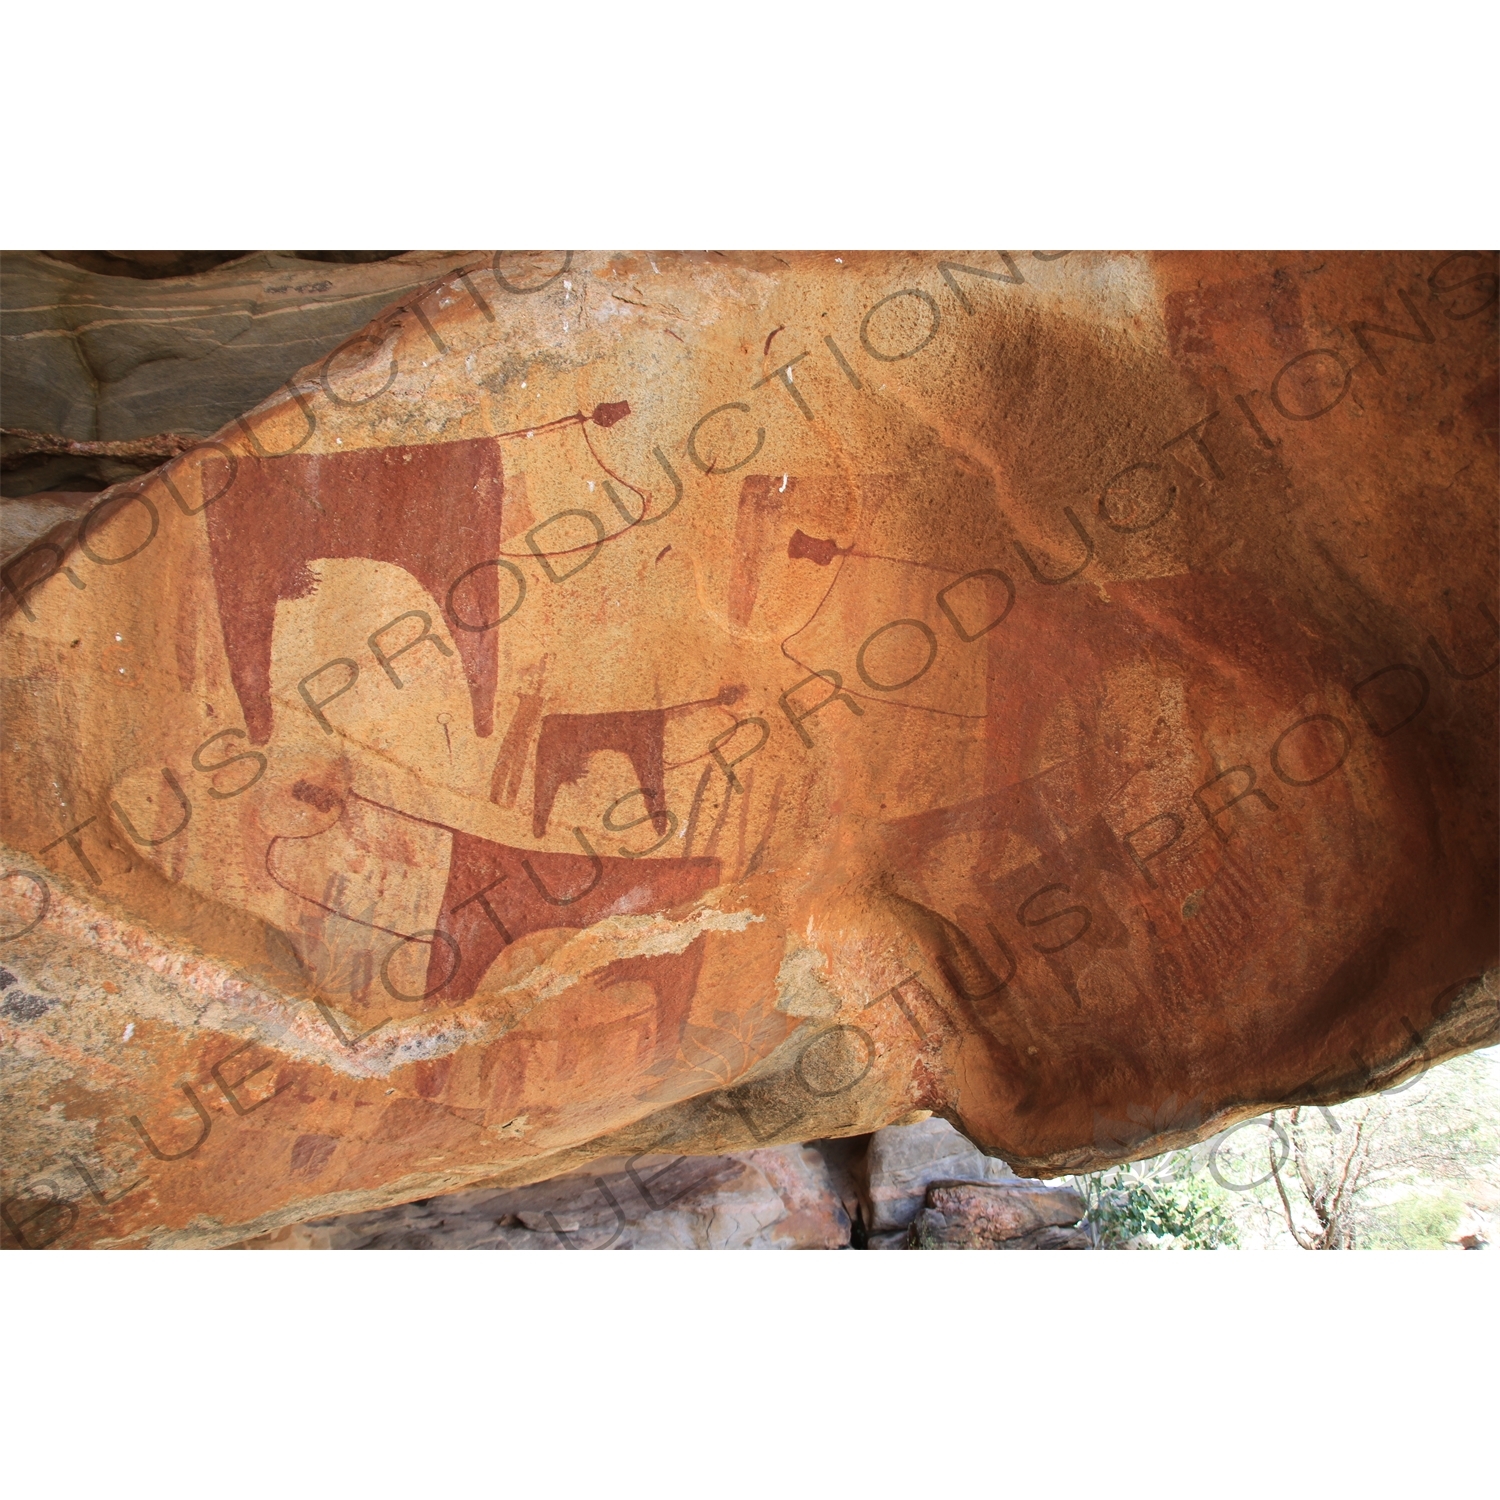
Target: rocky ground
{"points": [[915, 1186]]}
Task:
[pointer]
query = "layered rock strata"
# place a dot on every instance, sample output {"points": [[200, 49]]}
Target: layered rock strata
{"points": [[101, 372]]}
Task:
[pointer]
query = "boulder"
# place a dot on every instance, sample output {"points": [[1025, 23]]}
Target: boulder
{"points": [[688, 704], [1000, 1216], [904, 1159], [780, 1198]]}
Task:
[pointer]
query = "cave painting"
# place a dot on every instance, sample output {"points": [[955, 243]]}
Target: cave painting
{"points": [[587, 722]]}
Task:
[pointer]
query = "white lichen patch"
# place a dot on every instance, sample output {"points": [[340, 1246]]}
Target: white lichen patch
{"points": [[800, 990]]}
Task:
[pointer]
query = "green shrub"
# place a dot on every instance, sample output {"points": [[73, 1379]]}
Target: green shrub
{"points": [[1161, 1213]]}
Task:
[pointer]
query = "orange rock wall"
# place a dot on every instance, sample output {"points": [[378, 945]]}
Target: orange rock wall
{"points": [[690, 702]]}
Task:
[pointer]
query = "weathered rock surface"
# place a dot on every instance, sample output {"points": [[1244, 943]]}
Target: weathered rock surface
{"points": [[105, 359], [685, 704], [1000, 1216], [780, 1198], [25, 521], [903, 1160]]}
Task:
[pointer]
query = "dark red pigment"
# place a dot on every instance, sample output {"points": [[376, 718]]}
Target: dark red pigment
{"points": [[433, 510], [567, 741], [821, 550], [610, 885], [607, 413]]}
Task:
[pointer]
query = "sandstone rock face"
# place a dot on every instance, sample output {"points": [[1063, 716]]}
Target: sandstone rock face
{"points": [[780, 1198], [691, 703]]}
